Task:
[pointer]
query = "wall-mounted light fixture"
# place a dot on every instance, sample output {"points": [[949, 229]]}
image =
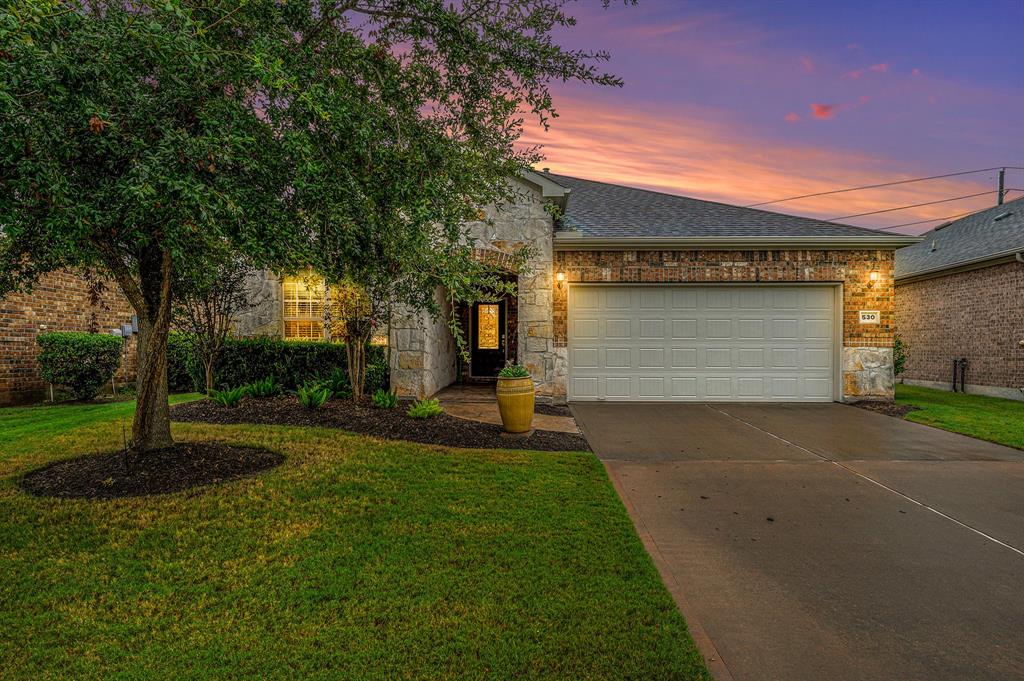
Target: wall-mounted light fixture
{"points": [[560, 278], [872, 278]]}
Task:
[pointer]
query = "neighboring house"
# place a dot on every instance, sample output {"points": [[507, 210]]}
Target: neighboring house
{"points": [[60, 301], [639, 295], [960, 295]]}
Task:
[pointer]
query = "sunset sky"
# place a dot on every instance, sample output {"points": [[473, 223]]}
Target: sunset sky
{"points": [[752, 101]]}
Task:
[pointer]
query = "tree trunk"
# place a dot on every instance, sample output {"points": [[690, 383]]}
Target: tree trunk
{"points": [[208, 368], [358, 334], [151, 428]]}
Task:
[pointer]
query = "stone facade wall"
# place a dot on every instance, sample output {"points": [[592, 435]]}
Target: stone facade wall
{"points": [[60, 301], [428, 342], [867, 348], [264, 318], [978, 314], [423, 356], [527, 222]]}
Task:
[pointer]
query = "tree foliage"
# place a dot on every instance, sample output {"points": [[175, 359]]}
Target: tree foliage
{"points": [[155, 140]]}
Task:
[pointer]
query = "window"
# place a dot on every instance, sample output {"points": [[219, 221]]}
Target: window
{"points": [[487, 327], [303, 308]]}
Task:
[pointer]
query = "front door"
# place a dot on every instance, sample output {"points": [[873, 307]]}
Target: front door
{"points": [[487, 339]]}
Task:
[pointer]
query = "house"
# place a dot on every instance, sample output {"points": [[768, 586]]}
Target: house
{"points": [[638, 295], [960, 295], [632, 294]]}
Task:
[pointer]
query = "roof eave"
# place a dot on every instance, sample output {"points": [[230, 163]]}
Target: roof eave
{"points": [[1003, 257], [576, 241]]}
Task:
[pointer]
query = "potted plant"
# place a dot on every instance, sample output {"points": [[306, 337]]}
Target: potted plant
{"points": [[515, 398]]}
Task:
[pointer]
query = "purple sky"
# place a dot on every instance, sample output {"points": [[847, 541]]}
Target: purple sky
{"points": [[752, 101]]}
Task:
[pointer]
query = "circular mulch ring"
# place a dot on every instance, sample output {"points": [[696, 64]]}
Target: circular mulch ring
{"points": [[179, 467]]}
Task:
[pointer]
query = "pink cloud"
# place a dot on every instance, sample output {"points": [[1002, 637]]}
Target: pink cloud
{"points": [[807, 63], [792, 117], [824, 110], [874, 68], [700, 152], [915, 73]]}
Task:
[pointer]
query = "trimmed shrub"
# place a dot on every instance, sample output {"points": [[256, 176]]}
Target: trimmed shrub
{"points": [[247, 360], [378, 373], [337, 383], [83, 362], [184, 372]]}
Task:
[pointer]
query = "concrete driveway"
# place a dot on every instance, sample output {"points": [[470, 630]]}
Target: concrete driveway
{"points": [[825, 541]]}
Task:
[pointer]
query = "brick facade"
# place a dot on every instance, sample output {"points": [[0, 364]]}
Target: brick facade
{"points": [[978, 314], [60, 301], [866, 374]]}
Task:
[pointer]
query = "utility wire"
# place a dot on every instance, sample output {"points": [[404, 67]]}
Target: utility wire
{"points": [[915, 205], [884, 184], [948, 217]]}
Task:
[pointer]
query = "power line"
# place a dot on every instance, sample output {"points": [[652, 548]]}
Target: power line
{"points": [[914, 205], [948, 217], [883, 184]]}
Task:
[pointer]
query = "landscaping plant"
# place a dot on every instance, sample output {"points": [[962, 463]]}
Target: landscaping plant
{"points": [[337, 383], [425, 409], [229, 397], [84, 362], [313, 395], [899, 355], [266, 387], [385, 399], [513, 371]]}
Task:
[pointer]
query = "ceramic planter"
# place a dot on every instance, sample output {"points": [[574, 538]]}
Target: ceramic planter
{"points": [[515, 402]]}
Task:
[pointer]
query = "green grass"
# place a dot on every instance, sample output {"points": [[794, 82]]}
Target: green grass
{"points": [[356, 559], [987, 418]]}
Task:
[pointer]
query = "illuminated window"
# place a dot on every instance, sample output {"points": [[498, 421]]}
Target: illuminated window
{"points": [[303, 308], [487, 327]]}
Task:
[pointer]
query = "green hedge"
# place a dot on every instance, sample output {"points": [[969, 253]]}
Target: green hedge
{"points": [[84, 362], [246, 360]]}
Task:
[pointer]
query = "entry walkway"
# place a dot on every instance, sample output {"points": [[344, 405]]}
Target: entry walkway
{"points": [[478, 403]]}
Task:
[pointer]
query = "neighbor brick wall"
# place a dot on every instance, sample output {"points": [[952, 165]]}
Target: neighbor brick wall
{"points": [[851, 268], [977, 314], [60, 301]]}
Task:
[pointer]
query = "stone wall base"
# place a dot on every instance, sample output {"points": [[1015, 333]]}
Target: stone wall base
{"points": [[868, 374]]}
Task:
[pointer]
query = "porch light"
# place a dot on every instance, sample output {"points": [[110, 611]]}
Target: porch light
{"points": [[872, 278], [560, 278]]}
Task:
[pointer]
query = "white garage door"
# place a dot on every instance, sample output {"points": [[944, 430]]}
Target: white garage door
{"points": [[703, 343]]}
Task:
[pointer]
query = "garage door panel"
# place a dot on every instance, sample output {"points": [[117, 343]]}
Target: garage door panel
{"points": [[618, 328], [652, 328], [684, 328], [672, 342]]}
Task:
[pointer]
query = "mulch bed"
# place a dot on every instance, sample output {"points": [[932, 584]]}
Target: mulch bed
{"points": [[391, 424], [182, 466], [887, 408], [552, 409]]}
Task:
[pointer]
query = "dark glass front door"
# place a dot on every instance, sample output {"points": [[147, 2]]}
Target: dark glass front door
{"points": [[487, 339]]}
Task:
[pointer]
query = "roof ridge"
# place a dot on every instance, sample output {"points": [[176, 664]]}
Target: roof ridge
{"points": [[717, 203]]}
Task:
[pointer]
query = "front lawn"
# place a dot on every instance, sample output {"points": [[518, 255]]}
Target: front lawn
{"points": [[357, 558], [987, 418]]}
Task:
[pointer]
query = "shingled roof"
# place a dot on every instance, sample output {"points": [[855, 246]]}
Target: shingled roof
{"points": [[609, 211], [991, 234]]}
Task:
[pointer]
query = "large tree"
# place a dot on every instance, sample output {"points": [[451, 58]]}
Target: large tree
{"points": [[156, 140], [412, 127]]}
